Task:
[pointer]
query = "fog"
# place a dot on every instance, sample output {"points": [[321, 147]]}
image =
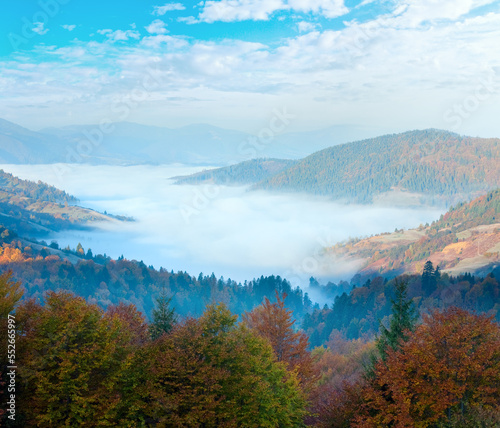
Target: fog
{"points": [[230, 231]]}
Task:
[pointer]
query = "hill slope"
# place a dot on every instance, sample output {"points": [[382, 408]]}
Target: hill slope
{"points": [[439, 166], [35, 208], [248, 172], [20, 145], [465, 239]]}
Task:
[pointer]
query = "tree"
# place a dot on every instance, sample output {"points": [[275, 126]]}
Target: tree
{"points": [[428, 278], [402, 321], [71, 362], [79, 249], [132, 319], [274, 322], [211, 372], [10, 293], [447, 372], [164, 317]]}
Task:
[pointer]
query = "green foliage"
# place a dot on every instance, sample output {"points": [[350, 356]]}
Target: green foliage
{"points": [[403, 320], [164, 317], [10, 293], [356, 313], [71, 362], [211, 372], [110, 282]]}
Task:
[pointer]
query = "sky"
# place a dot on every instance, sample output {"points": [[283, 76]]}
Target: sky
{"points": [[392, 65]]}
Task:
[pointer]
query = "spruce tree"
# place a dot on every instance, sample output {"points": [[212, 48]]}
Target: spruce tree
{"points": [[164, 317], [403, 319], [428, 278]]}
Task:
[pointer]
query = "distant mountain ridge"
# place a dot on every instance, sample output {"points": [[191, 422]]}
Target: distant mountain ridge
{"points": [[19, 145], [431, 167], [437, 164], [125, 143]]}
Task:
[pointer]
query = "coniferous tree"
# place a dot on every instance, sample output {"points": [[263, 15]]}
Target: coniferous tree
{"points": [[164, 317], [428, 278], [402, 321]]}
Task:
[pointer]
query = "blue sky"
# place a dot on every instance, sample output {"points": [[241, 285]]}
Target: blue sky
{"points": [[388, 65]]}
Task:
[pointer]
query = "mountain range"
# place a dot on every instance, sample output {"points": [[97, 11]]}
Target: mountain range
{"points": [[131, 143], [421, 167]]}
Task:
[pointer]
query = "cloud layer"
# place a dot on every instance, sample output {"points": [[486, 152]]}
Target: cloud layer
{"points": [[225, 230]]}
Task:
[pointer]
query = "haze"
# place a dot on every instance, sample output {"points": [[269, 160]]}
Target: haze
{"points": [[230, 231]]}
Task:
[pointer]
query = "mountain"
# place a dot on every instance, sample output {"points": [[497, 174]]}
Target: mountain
{"points": [[465, 239], [36, 208], [127, 142], [436, 166], [132, 143], [19, 145], [197, 144], [243, 173]]}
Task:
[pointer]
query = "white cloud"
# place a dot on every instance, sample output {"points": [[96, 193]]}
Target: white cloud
{"points": [[161, 39], [68, 27], [239, 10], [157, 27], [120, 35], [39, 28], [398, 70], [162, 10], [232, 232], [188, 20], [305, 27], [327, 8], [261, 10], [416, 12]]}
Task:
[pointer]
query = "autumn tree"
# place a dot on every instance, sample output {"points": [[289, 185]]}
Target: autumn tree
{"points": [[337, 397], [211, 372], [446, 372], [10, 294], [274, 322], [71, 360], [132, 320]]}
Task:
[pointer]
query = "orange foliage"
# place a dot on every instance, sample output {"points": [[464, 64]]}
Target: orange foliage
{"points": [[449, 367], [274, 322]]}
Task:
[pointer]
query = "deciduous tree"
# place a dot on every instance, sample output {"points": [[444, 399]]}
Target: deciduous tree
{"points": [[71, 362], [274, 322], [449, 369]]}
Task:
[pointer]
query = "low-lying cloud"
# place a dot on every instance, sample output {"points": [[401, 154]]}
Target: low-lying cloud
{"points": [[230, 231]]}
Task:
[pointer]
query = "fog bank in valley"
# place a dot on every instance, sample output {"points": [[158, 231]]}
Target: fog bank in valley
{"points": [[230, 231]]}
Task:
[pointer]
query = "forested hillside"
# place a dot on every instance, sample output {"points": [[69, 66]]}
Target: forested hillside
{"points": [[465, 239], [356, 314], [104, 281], [439, 166], [248, 172], [33, 209], [29, 189]]}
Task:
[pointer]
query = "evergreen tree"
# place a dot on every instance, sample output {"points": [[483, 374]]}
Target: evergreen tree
{"points": [[164, 316], [428, 278], [402, 321]]}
